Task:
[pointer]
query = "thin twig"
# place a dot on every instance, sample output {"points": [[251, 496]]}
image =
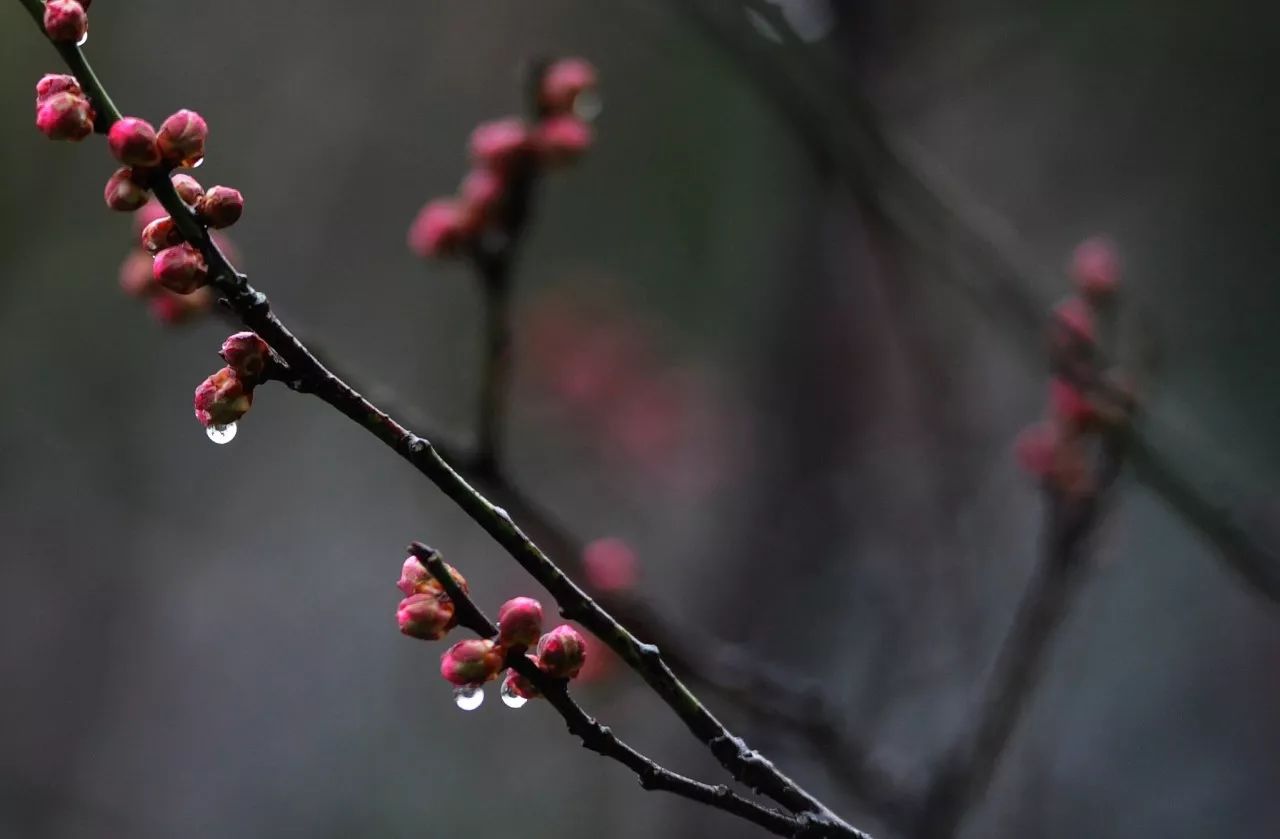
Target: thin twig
{"points": [[307, 375], [600, 738]]}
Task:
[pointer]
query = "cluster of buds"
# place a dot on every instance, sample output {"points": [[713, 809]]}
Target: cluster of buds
{"points": [[1086, 401], [428, 613], [504, 154], [63, 112], [226, 396], [138, 279]]}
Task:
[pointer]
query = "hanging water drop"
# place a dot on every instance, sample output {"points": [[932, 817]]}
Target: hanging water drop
{"points": [[221, 434], [83, 39], [469, 697], [588, 105], [510, 698]]}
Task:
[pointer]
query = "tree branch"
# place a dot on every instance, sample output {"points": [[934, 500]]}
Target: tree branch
{"points": [[306, 374], [600, 738]]}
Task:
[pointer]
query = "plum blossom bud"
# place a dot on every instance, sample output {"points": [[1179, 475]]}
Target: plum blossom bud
{"points": [[1095, 267], [1034, 449], [1069, 404], [499, 144], [52, 83], [65, 116], [1073, 323], [65, 21], [220, 207], [416, 579], [519, 622], [471, 662], [425, 616], [181, 138], [246, 353], [561, 652], [188, 189], [437, 231], [481, 192], [222, 398], [610, 564], [171, 309], [563, 82], [160, 234], [562, 139], [180, 269], [149, 213], [133, 142], [135, 274], [518, 685], [123, 193]]}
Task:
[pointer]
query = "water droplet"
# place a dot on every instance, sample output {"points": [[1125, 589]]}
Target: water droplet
{"points": [[83, 39], [221, 434], [588, 105], [510, 698], [194, 164], [468, 698]]}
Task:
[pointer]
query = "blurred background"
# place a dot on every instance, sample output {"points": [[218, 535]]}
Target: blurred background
{"points": [[775, 367]]}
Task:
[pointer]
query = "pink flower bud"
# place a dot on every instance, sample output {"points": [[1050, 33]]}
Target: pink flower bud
{"points": [[471, 662], [65, 116], [610, 564], [52, 83], [135, 274], [1095, 267], [172, 309], [519, 622], [160, 234], [133, 142], [563, 82], [180, 269], [499, 144], [481, 192], [1034, 449], [65, 21], [122, 193], [1069, 405], [222, 398], [437, 231], [181, 138], [246, 353], [561, 652], [518, 685], [220, 207], [425, 616], [416, 579], [188, 189], [149, 213], [1073, 323], [562, 139]]}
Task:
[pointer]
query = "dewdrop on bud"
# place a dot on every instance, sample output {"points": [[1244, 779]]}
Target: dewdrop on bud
{"points": [[220, 207], [65, 21], [123, 193], [425, 616], [65, 116], [180, 269], [245, 353], [516, 690], [471, 662], [561, 652], [564, 82], [468, 697], [222, 399], [133, 142], [519, 622], [181, 138]]}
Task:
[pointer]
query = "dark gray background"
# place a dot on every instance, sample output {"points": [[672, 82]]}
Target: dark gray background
{"points": [[199, 639]]}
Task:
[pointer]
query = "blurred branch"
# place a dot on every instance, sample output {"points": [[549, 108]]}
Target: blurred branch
{"points": [[970, 248], [305, 374], [600, 738], [965, 772]]}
